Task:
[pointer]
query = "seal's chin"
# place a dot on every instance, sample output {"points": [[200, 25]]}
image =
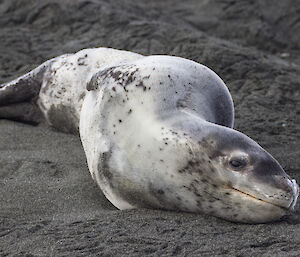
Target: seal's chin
{"points": [[253, 210]]}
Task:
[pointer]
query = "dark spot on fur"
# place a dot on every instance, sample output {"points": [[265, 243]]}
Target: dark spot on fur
{"points": [[113, 88], [141, 84], [130, 111], [191, 163], [80, 61], [213, 153], [180, 104], [120, 121], [196, 193], [115, 74], [161, 192]]}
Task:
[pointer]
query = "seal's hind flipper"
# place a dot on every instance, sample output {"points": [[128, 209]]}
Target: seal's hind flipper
{"points": [[19, 90], [18, 97], [23, 112], [24, 88]]}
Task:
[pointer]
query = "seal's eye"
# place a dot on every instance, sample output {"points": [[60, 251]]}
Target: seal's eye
{"points": [[238, 163]]}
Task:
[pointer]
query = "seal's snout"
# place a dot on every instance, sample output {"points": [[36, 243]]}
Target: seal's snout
{"points": [[289, 192]]}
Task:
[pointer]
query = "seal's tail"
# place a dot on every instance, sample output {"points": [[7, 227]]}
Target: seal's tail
{"points": [[18, 97]]}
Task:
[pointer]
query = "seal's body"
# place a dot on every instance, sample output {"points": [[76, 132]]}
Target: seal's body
{"points": [[157, 133]]}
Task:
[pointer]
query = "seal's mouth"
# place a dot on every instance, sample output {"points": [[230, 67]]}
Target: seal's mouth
{"points": [[258, 199], [286, 204]]}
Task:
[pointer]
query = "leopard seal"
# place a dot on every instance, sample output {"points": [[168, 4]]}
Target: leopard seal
{"points": [[158, 133]]}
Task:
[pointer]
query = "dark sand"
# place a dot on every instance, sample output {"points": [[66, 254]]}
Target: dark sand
{"points": [[49, 205]]}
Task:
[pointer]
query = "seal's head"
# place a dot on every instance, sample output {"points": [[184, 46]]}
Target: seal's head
{"points": [[249, 181]]}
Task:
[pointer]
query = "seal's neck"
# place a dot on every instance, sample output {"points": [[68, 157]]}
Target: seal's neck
{"points": [[191, 123]]}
